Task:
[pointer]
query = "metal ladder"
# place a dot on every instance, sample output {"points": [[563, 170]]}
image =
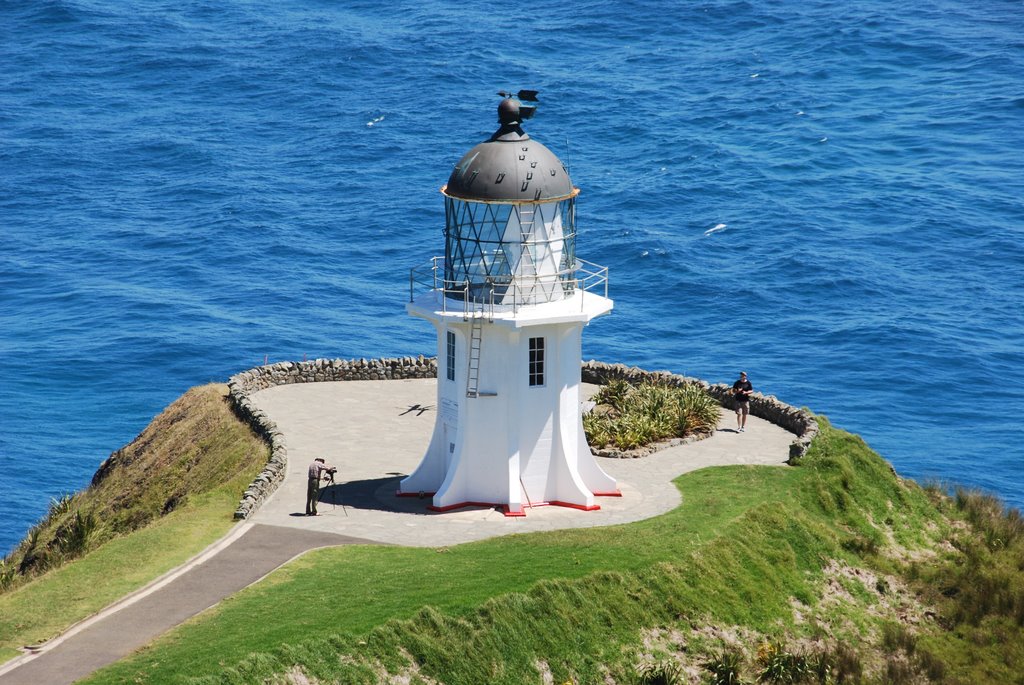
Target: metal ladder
{"points": [[476, 335], [527, 223]]}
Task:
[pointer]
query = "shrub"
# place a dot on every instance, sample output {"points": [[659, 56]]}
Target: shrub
{"points": [[647, 413], [60, 506], [661, 673], [73, 537], [598, 429], [898, 671], [698, 408], [30, 554], [7, 574], [931, 665], [779, 665], [613, 393], [633, 430], [725, 668], [896, 637], [848, 667]]}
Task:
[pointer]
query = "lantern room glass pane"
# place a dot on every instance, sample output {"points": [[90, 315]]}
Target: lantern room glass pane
{"points": [[510, 253]]}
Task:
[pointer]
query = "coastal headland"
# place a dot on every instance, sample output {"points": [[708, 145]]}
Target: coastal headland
{"points": [[859, 539]]}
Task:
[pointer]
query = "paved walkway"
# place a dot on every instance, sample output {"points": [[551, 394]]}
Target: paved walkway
{"points": [[375, 432]]}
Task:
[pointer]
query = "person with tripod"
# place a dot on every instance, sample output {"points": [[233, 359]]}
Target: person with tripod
{"points": [[317, 470]]}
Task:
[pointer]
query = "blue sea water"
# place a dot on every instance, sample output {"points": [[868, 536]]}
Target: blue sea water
{"points": [[189, 187]]}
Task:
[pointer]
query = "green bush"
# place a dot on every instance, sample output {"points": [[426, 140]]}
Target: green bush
{"points": [[73, 537], [8, 572], [636, 416], [725, 667], [779, 665], [635, 429], [613, 393], [660, 673], [598, 429], [698, 408]]}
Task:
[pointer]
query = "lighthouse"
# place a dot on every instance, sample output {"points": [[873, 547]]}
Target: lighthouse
{"points": [[509, 300]]}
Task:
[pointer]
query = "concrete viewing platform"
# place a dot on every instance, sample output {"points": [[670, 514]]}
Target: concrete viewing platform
{"points": [[375, 432]]}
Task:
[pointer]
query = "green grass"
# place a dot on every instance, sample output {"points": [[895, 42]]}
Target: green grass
{"points": [[197, 452], [42, 609], [354, 589], [743, 542]]}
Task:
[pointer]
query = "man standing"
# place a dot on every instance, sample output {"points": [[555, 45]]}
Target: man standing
{"points": [[316, 471], [741, 391]]}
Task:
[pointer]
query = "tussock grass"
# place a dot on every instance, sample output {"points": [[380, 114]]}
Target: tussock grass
{"points": [[194, 446], [978, 590], [81, 557]]}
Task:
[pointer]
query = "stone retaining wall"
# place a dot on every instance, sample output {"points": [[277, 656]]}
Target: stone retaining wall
{"points": [[243, 384], [767, 407]]}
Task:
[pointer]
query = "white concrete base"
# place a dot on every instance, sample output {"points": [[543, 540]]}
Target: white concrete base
{"points": [[509, 431]]}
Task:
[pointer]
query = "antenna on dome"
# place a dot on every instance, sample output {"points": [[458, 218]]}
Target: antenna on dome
{"points": [[525, 111]]}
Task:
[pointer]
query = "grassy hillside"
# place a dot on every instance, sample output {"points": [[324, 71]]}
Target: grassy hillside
{"points": [[832, 571], [151, 505]]}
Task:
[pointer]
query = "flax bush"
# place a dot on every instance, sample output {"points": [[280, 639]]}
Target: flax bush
{"points": [[698, 407], [629, 417], [613, 393]]}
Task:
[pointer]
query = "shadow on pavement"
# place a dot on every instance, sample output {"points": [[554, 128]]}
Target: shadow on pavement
{"points": [[374, 494]]}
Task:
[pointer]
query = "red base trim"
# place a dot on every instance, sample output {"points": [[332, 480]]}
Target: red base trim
{"points": [[421, 495], [460, 505], [514, 513], [617, 493], [581, 507]]}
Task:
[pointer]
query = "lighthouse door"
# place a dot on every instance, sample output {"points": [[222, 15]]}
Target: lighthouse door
{"points": [[450, 429], [535, 464]]}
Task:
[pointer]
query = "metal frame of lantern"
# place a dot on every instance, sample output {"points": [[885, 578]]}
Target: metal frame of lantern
{"points": [[493, 247]]}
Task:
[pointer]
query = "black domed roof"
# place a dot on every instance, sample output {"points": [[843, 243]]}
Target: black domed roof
{"points": [[509, 167]]}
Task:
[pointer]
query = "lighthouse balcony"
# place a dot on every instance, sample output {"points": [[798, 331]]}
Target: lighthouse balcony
{"points": [[508, 294]]}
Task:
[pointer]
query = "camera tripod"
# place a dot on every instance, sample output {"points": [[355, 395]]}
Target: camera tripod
{"points": [[330, 481]]}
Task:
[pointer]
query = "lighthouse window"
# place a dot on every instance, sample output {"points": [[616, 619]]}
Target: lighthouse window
{"points": [[450, 357], [536, 361]]}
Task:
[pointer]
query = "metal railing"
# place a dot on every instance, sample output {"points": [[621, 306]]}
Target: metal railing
{"points": [[492, 294]]}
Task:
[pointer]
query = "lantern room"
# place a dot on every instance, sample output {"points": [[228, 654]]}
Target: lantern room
{"points": [[510, 220]]}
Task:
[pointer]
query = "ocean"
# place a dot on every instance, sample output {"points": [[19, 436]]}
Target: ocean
{"points": [[827, 195]]}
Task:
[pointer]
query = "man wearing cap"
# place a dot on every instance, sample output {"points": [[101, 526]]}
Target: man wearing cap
{"points": [[741, 391], [316, 471]]}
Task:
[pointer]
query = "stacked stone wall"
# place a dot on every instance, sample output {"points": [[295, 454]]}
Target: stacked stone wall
{"points": [[244, 384], [768, 407]]}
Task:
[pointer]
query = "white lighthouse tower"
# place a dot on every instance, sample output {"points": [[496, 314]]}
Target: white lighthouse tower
{"points": [[509, 300]]}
